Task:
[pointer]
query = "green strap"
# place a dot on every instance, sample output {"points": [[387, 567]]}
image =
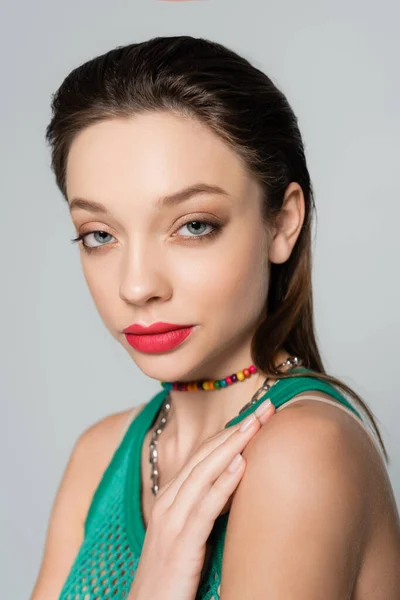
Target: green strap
{"points": [[285, 389]]}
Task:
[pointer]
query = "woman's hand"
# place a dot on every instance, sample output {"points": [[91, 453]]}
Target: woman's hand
{"points": [[184, 513]]}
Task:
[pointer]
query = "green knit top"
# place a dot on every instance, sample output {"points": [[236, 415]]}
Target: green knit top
{"points": [[106, 562]]}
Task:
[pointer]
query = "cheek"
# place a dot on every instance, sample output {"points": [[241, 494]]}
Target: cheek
{"points": [[231, 278], [245, 288], [102, 287]]}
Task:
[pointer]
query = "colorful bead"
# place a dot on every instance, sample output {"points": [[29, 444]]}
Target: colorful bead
{"points": [[209, 384]]}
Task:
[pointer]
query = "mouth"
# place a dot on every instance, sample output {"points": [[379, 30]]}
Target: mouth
{"points": [[159, 342]]}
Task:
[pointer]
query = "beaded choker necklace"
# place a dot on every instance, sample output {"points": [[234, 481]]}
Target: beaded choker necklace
{"points": [[210, 384]]}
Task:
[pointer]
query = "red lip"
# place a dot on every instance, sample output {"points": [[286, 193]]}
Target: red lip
{"points": [[158, 342], [158, 327]]}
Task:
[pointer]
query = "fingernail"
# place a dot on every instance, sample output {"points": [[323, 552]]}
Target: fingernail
{"points": [[264, 406], [247, 422]]}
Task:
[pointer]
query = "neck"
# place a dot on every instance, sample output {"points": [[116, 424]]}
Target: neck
{"points": [[196, 415]]}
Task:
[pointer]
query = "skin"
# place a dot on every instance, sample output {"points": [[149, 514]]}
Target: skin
{"points": [[152, 267]]}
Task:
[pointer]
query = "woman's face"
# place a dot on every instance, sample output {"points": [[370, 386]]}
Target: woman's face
{"points": [[152, 263]]}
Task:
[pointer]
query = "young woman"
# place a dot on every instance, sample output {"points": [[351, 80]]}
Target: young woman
{"points": [[185, 176]]}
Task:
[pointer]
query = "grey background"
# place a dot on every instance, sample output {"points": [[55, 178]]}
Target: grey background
{"points": [[338, 63]]}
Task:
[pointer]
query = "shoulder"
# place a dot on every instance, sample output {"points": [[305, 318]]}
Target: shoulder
{"points": [[90, 456], [303, 502], [94, 449], [92, 452], [99, 441], [311, 439], [309, 423]]}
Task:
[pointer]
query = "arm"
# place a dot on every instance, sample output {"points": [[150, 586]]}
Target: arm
{"points": [[298, 520], [89, 458]]}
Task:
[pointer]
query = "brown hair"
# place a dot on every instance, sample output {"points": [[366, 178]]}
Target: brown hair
{"points": [[198, 78]]}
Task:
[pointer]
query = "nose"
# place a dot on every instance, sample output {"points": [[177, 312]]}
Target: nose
{"points": [[143, 274]]}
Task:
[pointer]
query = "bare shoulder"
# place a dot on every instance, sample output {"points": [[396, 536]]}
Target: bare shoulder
{"points": [[326, 446], [92, 453], [323, 445], [355, 447], [324, 429], [307, 485], [89, 458], [314, 480], [312, 430], [330, 413], [96, 445]]}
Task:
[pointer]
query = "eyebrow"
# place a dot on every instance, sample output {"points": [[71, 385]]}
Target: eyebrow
{"points": [[171, 200]]}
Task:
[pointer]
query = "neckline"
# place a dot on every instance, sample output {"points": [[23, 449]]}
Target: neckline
{"points": [[136, 530]]}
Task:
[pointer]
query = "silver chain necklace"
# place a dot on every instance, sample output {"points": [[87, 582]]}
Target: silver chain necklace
{"points": [[292, 361]]}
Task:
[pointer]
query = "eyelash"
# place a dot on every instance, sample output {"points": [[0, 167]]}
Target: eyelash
{"points": [[216, 229]]}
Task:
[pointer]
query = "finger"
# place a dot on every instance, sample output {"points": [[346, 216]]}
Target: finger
{"points": [[216, 502], [264, 415], [265, 411], [200, 453], [203, 475]]}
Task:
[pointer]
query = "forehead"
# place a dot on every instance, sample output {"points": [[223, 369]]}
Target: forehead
{"points": [[150, 154]]}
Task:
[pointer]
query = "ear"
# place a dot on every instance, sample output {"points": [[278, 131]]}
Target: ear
{"points": [[287, 225]]}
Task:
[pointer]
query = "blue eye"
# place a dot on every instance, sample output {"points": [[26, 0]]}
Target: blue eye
{"points": [[85, 247], [216, 228], [85, 235]]}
